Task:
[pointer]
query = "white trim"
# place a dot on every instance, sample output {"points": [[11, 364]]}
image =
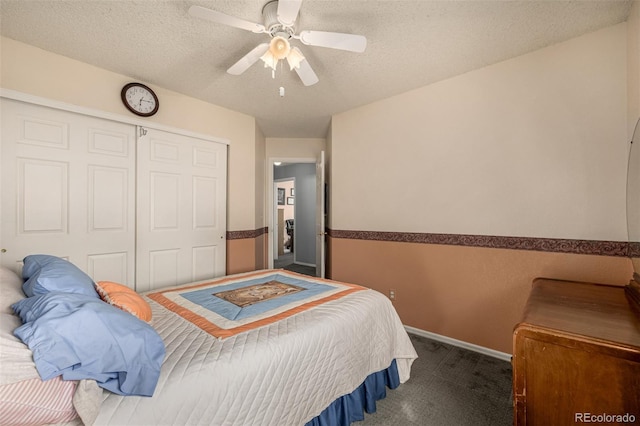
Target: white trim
{"points": [[459, 343], [37, 100], [313, 265]]}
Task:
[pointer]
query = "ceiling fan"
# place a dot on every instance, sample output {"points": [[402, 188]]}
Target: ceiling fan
{"points": [[279, 19]]}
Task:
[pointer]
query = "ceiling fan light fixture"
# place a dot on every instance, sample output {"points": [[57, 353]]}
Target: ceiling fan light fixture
{"points": [[295, 58], [269, 60], [279, 48]]}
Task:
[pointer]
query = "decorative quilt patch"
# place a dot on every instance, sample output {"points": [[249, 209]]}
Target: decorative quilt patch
{"points": [[238, 303], [257, 293]]}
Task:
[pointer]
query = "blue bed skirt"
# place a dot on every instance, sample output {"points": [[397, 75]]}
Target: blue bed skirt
{"points": [[350, 408]]}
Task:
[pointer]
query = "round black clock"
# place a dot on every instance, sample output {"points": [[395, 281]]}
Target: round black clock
{"points": [[139, 99]]}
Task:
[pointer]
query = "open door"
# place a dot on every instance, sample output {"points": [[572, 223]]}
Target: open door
{"points": [[320, 216]]}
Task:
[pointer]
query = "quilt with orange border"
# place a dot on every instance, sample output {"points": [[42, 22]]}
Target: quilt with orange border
{"points": [[227, 306]]}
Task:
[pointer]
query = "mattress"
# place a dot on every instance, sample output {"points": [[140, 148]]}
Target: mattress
{"points": [[277, 366]]}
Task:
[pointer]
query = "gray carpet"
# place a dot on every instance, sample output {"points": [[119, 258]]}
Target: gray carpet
{"points": [[448, 386], [285, 261]]}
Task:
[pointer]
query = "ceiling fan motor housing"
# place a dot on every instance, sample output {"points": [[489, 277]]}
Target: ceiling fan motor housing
{"points": [[272, 24]]}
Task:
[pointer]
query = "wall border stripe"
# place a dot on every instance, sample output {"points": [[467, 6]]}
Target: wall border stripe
{"points": [[253, 233], [555, 245]]}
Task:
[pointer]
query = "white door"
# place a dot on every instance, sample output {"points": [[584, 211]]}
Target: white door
{"points": [[320, 232], [67, 188], [181, 224]]}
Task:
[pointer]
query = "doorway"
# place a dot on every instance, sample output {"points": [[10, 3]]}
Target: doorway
{"points": [[293, 216]]}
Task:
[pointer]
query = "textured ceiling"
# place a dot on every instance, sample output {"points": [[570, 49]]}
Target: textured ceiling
{"points": [[410, 44]]}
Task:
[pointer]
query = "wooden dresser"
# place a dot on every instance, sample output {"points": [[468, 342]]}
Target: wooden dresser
{"points": [[576, 355]]}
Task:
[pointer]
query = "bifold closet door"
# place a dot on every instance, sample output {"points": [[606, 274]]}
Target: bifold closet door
{"points": [[181, 215], [68, 189]]}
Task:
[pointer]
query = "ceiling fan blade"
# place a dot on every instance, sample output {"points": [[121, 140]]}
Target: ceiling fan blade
{"points": [[221, 18], [350, 42], [288, 11], [306, 74], [249, 59]]}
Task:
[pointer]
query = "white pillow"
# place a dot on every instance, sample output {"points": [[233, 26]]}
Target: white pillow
{"points": [[15, 357], [10, 289], [24, 397]]}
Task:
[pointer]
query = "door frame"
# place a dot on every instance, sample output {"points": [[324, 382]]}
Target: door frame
{"points": [[271, 200]]}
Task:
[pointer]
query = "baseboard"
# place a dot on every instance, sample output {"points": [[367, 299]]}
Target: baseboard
{"points": [[459, 343], [313, 265]]}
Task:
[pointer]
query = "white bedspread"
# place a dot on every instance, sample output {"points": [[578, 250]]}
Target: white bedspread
{"points": [[282, 374]]}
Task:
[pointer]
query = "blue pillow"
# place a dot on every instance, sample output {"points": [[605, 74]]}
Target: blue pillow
{"points": [[80, 337], [44, 273]]}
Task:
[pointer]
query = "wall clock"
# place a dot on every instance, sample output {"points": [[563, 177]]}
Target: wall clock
{"points": [[139, 99]]}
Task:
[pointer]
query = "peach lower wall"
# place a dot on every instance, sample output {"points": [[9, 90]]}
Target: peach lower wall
{"points": [[241, 255], [247, 254], [262, 252], [473, 294]]}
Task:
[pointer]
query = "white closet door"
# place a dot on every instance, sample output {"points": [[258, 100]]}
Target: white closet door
{"points": [[181, 219], [67, 186]]}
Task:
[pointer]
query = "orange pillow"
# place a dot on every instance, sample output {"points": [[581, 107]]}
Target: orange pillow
{"points": [[124, 298]]}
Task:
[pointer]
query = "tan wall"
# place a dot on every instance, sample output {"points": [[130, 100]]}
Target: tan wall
{"points": [[535, 146], [633, 66], [294, 147], [260, 203], [327, 172], [260, 169]]}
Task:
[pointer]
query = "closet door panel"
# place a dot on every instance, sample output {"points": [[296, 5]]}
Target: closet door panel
{"points": [[109, 143], [204, 202], [164, 268], [164, 203], [35, 130], [108, 199], [205, 263], [181, 210], [42, 196], [113, 265], [110, 204], [67, 186]]}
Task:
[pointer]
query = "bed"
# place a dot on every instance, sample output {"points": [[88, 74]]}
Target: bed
{"points": [[267, 347]]}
